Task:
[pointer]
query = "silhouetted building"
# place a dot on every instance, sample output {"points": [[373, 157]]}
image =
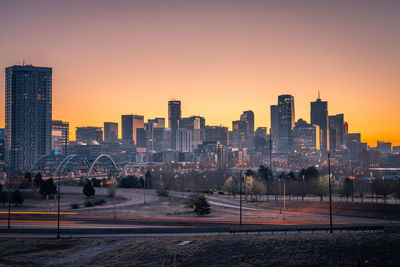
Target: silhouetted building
{"points": [[217, 134], [319, 116], [369, 159], [138, 123], [110, 132], [248, 116], [2, 143], [305, 137], [28, 113], [384, 147], [89, 135], [274, 130], [286, 119], [174, 116], [261, 132], [127, 128], [336, 132], [59, 137]]}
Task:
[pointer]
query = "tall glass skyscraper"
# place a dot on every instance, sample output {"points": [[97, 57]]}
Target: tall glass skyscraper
{"points": [[319, 116], [174, 116], [28, 113], [286, 120]]}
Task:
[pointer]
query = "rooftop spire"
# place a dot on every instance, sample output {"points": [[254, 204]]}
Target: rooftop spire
{"points": [[318, 95]]}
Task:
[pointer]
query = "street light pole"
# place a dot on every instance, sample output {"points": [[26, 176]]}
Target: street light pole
{"points": [[58, 211], [240, 195], [9, 201], [330, 193]]}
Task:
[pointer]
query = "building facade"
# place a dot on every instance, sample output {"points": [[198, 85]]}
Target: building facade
{"points": [[28, 112], [319, 116], [110, 132], [89, 134], [59, 137]]}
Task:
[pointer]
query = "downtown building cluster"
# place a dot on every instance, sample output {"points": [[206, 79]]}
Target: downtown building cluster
{"points": [[31, 133]]}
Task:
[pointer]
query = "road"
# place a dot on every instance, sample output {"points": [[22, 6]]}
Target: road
{"points": [[76, 221]]}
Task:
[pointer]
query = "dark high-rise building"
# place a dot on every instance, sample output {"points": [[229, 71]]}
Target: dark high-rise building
{"points": [[261, 132], [217, 134], [305, 137], [59, 137], [319, 116], [127, 128], [384, 147], [110, 132], [336, 132], [28, 101], [248, 116], [274, 130], [138, 123], [286, 120], [90, 135], [174, 116], [2, 143]]}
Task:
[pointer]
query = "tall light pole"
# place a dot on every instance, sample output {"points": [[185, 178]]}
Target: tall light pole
{"points": [[330, 194], [58, 204], [9, 201], [240, 195]]}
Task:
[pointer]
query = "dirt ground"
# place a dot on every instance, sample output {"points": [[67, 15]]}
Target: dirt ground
{"points": [[366, 210], [355, 249]]}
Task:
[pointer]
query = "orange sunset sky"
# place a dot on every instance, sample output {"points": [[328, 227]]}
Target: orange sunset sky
{"points": [[219, 57]]}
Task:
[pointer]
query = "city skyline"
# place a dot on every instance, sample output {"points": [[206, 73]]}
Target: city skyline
{"points": [[216, 66]]}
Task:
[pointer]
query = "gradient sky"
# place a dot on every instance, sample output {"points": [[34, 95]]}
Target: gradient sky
{"points": [[219, 57]]}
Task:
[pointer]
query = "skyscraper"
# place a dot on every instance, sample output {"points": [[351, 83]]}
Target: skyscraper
{"points": [[127, 128], [59, 137], [28, 113], [110, 132], [184, 139], [217, 134], [336, 132], [138, 123], [286, 119], [248, 116], [319, 116], [174, 116], [274, 130]]}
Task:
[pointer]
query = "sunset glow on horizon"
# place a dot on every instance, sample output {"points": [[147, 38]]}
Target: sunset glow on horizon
{"points": [[218, 57]]}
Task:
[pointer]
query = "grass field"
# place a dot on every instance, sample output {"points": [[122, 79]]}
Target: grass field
{"points": [[353, 249]]}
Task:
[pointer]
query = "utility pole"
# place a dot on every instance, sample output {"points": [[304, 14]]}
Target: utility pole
{"points": [[330, 194], [240, 195], [58, 209]]}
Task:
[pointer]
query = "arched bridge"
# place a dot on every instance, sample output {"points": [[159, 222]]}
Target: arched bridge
{"points": [[76, 164]]}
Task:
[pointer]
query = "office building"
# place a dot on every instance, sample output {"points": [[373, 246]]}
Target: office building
{"points": [[89, 135], [2, 143], [286, 120], [319, 116], [384, 147], [184, 140], [127, 128], [261, 132], [28, 114], [274, 130], [110, 132], [138, 123], [174, 116], [248, 117], [217, 134], [336, 132], [59, 137], [197, 125], [306, 137]]}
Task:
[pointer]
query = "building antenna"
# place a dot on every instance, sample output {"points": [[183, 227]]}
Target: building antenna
{"points": [[318, 95]]}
